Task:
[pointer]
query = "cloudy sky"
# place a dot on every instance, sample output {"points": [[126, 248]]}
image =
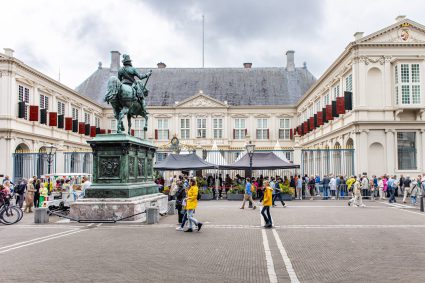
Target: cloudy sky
{"points": [[73, 36]]}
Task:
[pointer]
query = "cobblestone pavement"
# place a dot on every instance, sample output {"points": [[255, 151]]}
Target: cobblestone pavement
{"points": [[313, 241]]}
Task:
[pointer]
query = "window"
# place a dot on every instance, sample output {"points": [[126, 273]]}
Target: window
{"points": [[406, 149], [218, 128], [24, 96], [163, 129], [97, 122], [262, 130], [349, 83], [61, 108], [284, 131], [74, 113], [326, 99], [240, 130], [407, 84], [185, 128], [201, 127], [87, 119], [139, 124], [318, 106], [335, 92], [44, 102], [114, 126]]}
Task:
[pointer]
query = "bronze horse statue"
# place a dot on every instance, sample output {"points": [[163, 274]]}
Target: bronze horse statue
{"points": [[128, 100]]}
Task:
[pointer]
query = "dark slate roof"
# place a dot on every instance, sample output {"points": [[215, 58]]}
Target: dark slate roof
{"points": [[237, 86]]}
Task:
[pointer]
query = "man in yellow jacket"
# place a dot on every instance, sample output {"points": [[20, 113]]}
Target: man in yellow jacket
{"points": [[267, 202], [191, 204]]}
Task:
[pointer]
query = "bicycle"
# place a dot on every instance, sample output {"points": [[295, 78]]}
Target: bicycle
{"points": [[9, 214]]}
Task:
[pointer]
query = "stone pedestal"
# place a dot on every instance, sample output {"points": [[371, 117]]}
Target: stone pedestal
{"points": [[122, 180], [41, 216]]}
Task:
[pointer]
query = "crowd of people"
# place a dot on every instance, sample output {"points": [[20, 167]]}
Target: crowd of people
{"points": [[33, 192]]}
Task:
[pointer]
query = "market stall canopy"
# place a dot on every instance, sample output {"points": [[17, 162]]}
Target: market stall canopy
{"points": [[261, 161], [176, 162]]}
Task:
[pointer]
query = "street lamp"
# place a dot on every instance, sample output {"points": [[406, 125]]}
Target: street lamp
{"points": [[51, 151], [250, 150]]}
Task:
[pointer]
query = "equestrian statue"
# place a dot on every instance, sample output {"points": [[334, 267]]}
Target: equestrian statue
{"points": [[127, 95]]}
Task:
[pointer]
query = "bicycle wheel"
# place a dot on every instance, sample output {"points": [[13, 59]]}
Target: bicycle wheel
{"points": [[10, 215]]}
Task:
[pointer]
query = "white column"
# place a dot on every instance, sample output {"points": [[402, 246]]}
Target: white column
{"points": [[422, 150], [390, 151]]}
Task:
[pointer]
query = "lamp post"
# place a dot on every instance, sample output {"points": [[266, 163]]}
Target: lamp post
{"points": [[51, 151], [250, 150]]}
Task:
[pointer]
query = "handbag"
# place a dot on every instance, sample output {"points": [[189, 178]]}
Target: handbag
{"points": [[184, 202]]}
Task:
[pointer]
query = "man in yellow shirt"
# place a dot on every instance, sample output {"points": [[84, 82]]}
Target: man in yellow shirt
{"points": [[267, 202]]}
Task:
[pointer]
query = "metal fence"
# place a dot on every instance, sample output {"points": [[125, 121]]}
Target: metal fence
{"points": [[338, 161], [78, 162], [26, 165]]}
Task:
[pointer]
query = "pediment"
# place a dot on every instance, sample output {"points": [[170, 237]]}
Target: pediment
{"points": [[201, 100], [405, 31]]}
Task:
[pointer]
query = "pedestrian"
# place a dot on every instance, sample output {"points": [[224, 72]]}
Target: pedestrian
{"points": [[381, 188], [277, 192], [44, 193], [406, 188], [86, 185], [325, 183], [192, 203], [180, 196], [356, 201], [365, 186], [332, 187], [317, 185], [37, 193], [311, 187], [29, 196], [248, 194], [20, 192], [414, 190], [391, 187], [267, 202], [299, 187]]}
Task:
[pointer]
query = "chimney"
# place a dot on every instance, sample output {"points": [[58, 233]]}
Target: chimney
{"points": [[290, 64], [400, 18], [115, 61], [161, 65], [358, 35], [8, 52], [247, 65]]}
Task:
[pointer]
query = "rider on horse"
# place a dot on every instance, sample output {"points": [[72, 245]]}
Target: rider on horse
{"points": [[127, 73]]}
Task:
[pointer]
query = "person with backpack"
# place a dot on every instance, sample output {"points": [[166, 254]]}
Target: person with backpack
{"points": [[192, 203], [248, 194], [414, 190], [277, 192], [406, 188], [391, 187]]}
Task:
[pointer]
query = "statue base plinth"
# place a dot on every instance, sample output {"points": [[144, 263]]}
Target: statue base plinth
{"points": [[117, 208]]}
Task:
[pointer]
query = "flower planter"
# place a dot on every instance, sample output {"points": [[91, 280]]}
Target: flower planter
{"points": [[286, 197], [235, 196], [206, 196]]}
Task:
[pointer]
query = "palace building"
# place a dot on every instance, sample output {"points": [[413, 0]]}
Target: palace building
{"points": [[364, 114]]}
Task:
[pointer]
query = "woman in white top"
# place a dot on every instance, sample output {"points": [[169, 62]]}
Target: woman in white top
{"points": [[381, 188]]}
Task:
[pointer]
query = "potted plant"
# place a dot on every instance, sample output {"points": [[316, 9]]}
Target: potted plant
{"points": [[236, 193], [206, 194], [287, 193]]}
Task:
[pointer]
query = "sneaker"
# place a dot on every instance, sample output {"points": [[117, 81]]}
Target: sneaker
{"points": [[284, 205], [349, 203], [179, 229], [199, 226], [188, 230], [242, 207], [268, 225], [254, 207], [274, 205]]}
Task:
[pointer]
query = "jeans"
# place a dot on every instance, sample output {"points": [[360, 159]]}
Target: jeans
{"points": [[192, 220], [325, 192], [413, 199], [184, 219], [299, 196], [275, 196], [266, 215], [392, 195]]}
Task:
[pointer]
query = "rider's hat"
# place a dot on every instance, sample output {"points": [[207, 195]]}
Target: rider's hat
{"points": [[126, 59]]}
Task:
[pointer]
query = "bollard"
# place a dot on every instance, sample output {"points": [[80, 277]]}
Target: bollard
{"points": [[422, 203], [171, 207], [152, 215], [41, 216]]}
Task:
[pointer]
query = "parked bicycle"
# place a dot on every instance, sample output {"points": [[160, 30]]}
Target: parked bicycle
{"points": [[9, 214]]}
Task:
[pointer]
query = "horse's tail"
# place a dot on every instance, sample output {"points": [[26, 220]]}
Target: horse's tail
{"points": [[113, 88]]}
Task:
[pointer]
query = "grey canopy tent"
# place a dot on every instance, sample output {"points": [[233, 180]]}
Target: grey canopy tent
{"points": [[260, 161], [178, 162]]}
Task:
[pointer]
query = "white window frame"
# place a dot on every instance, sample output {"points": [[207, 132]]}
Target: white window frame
{"points": [[61, 108], [113, 126], [348, 82], [139, 124], [75, 113], [240, 128], [24, 95], [217, 128], [326, 98], [284, 128], [335, 91], [87, 118], [201, 128], [407, 89], [185, 128], [44, 102], [163, 129], [262, 130], [97, 121]]}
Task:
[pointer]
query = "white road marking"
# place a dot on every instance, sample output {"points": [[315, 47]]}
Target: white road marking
{"points": [[269, 259], [98, 225], [64, 221], [91, 224], [37, 240], [403, 207], [350, 226], [286, 260]]}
